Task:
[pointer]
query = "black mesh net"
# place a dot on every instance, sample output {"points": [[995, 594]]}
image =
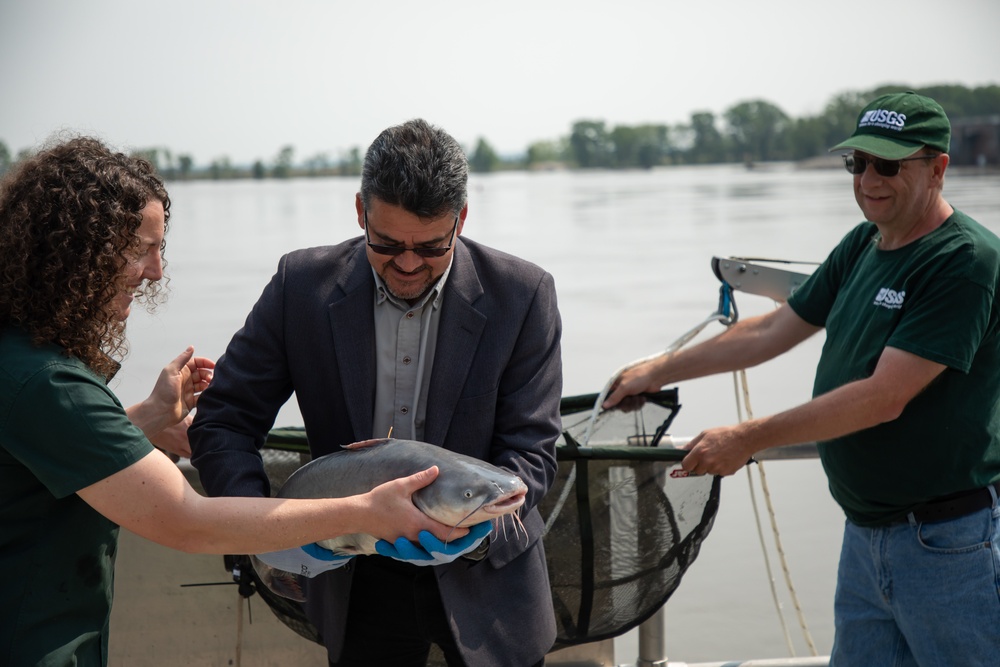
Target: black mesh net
{"points": [[622, 526], [621, 531], [286, 451]]}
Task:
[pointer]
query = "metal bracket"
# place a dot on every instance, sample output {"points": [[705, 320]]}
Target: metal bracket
{"points": [[754, 277]]}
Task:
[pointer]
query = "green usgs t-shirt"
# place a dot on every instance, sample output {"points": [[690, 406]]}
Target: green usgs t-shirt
{"points": [[61, 429], [935, 298]]}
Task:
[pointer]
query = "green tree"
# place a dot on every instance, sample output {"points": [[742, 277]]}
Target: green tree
{"points": [[318, 165], [590, 145], [756, 128], [484, 158], [625, 146], [644, 146], [654, 147], [545, 154], [841, 114], [4, 157], [350, 162], [283, 162], [258, 171], [986, 101], [221, 168], [805, 138], [707, 143], [185, 164]]}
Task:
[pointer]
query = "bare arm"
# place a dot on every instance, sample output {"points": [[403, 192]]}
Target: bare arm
{"points": [[898, 378], [745, 344], [153, 499]]}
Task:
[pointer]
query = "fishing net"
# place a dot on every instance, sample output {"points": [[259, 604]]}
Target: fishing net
{"points": [[622, 522], [622, 525]]}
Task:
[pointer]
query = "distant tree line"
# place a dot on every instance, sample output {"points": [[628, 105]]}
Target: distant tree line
{"points": [[750, 131]]}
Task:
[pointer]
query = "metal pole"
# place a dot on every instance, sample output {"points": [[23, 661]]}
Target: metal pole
{"points": [[652, 648]]}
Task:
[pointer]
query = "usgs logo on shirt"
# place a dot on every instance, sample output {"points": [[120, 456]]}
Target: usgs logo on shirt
{"points": [[888, 298], [890, 120]]}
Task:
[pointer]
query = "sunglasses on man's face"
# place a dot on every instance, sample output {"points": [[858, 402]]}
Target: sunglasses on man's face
{"points": [[857, 164], [396, 250]]}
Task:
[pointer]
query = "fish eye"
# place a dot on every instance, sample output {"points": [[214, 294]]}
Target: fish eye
{"points": [[468, 493]]}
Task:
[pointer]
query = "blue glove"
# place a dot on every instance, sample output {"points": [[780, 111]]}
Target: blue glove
{"points": [[431, 550], [307, 561]]}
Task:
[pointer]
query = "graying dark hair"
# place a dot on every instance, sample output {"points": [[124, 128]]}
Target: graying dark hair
{"points": [[418, 167]]}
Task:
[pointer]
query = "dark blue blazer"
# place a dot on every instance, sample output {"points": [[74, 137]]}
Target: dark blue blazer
{"points": [[494, 394]]}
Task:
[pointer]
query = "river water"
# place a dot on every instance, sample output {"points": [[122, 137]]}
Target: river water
{"points": [[630, 253]]}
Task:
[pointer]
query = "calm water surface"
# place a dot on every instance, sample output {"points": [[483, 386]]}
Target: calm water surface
{"points": [[630, 252]]}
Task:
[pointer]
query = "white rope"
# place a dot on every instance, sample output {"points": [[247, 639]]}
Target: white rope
{"points": [[673, 347], [777, 537], [563, 496], [760, 529]]}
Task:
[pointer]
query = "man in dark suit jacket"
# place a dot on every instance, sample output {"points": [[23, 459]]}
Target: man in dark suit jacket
{"points": [[442, 339]]}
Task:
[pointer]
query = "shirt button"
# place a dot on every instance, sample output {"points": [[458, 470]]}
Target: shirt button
{"points": [[404, 410], [406, 360], [409, 315]]}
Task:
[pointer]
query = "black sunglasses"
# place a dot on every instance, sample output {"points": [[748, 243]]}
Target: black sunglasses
{"points": [[396, 250], [856, 164]]}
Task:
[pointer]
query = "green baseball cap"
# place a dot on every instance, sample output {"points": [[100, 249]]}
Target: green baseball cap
{"points": [[898, 125]]}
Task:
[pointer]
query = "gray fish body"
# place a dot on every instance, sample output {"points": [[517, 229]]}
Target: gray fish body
{"points": [[466, 491]]}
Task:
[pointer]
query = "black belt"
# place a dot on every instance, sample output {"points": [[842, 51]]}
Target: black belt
{"points": [[954, 505]]}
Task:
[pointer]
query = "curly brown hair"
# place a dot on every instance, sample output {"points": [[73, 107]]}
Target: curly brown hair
{"points": [[69, 217]]}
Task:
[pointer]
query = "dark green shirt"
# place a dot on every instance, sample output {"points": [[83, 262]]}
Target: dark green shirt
{"points": [[61, 430], [935, 298]]}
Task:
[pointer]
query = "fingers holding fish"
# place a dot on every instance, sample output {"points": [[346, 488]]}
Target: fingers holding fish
{"points": [[395, 515]]}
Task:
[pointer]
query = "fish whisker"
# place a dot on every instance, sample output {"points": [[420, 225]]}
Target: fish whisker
{"points": [[462, 520], [516, 521]]}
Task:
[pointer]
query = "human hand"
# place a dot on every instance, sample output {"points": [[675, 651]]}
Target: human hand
{"points": [[432, 551], [175, 393], [638, 379], [717, 451], [391, 512], [173, 440], [308, 560], [630, 403], [181, 382]]}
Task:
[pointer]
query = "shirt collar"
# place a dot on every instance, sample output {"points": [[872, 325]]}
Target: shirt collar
{"points": [[434, 295]]}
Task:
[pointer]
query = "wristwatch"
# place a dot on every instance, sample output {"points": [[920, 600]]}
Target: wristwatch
{"points": [[479, 552]]}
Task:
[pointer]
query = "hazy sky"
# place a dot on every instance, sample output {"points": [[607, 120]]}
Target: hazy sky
{"points": [[242, 79]]}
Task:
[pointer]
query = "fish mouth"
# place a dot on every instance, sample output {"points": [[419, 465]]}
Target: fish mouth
{"points": [[508, 503]]}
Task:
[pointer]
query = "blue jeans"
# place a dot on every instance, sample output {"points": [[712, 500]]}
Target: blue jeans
{"points": [[922, 594]]}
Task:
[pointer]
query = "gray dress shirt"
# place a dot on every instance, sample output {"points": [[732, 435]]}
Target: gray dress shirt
{"points": [[405, 341]]}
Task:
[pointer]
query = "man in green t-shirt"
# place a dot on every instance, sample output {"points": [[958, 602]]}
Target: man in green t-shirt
{"points": [[906, 400]]}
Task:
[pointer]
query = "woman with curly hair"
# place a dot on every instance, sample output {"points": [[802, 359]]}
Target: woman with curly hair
{"points": [[81, 238]]}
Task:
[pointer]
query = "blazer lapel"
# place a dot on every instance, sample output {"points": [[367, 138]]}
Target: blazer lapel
{"points": [[353, 328], [459, 332]]}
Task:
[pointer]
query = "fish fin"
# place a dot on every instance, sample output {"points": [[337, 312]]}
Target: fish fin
{"points": [[366, 443], [279, 582]]}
